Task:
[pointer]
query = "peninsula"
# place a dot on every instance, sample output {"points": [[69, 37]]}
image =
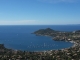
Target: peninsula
{"points": [[59, 35]]}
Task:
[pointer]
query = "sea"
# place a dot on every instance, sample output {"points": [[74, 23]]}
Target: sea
{"points": [[20, 37]]}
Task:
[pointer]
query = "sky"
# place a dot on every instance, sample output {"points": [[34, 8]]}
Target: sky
{"points": [[39, 12]]}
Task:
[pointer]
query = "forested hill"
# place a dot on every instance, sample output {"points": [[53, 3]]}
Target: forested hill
{"points": [[45, 31]]}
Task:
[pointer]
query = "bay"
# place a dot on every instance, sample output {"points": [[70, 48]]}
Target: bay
{"points": [[20, 37]]}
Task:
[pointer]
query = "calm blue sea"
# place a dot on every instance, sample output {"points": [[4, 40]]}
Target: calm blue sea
{"points": [[20, 37]]}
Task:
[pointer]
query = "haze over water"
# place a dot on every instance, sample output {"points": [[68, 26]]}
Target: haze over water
{"points": [[20, 37]]}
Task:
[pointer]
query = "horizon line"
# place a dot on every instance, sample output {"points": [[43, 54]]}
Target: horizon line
{"points": [[40, 24]]}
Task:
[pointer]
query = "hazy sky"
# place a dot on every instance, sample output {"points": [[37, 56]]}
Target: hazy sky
{"points": [[39, 12]]}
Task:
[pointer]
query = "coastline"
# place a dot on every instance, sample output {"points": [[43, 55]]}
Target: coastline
{"points": [[60, 36], [70, 53], [71, 41]]}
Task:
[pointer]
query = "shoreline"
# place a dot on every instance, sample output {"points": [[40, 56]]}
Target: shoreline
{"points": [[71, 41], [60, 36]]}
